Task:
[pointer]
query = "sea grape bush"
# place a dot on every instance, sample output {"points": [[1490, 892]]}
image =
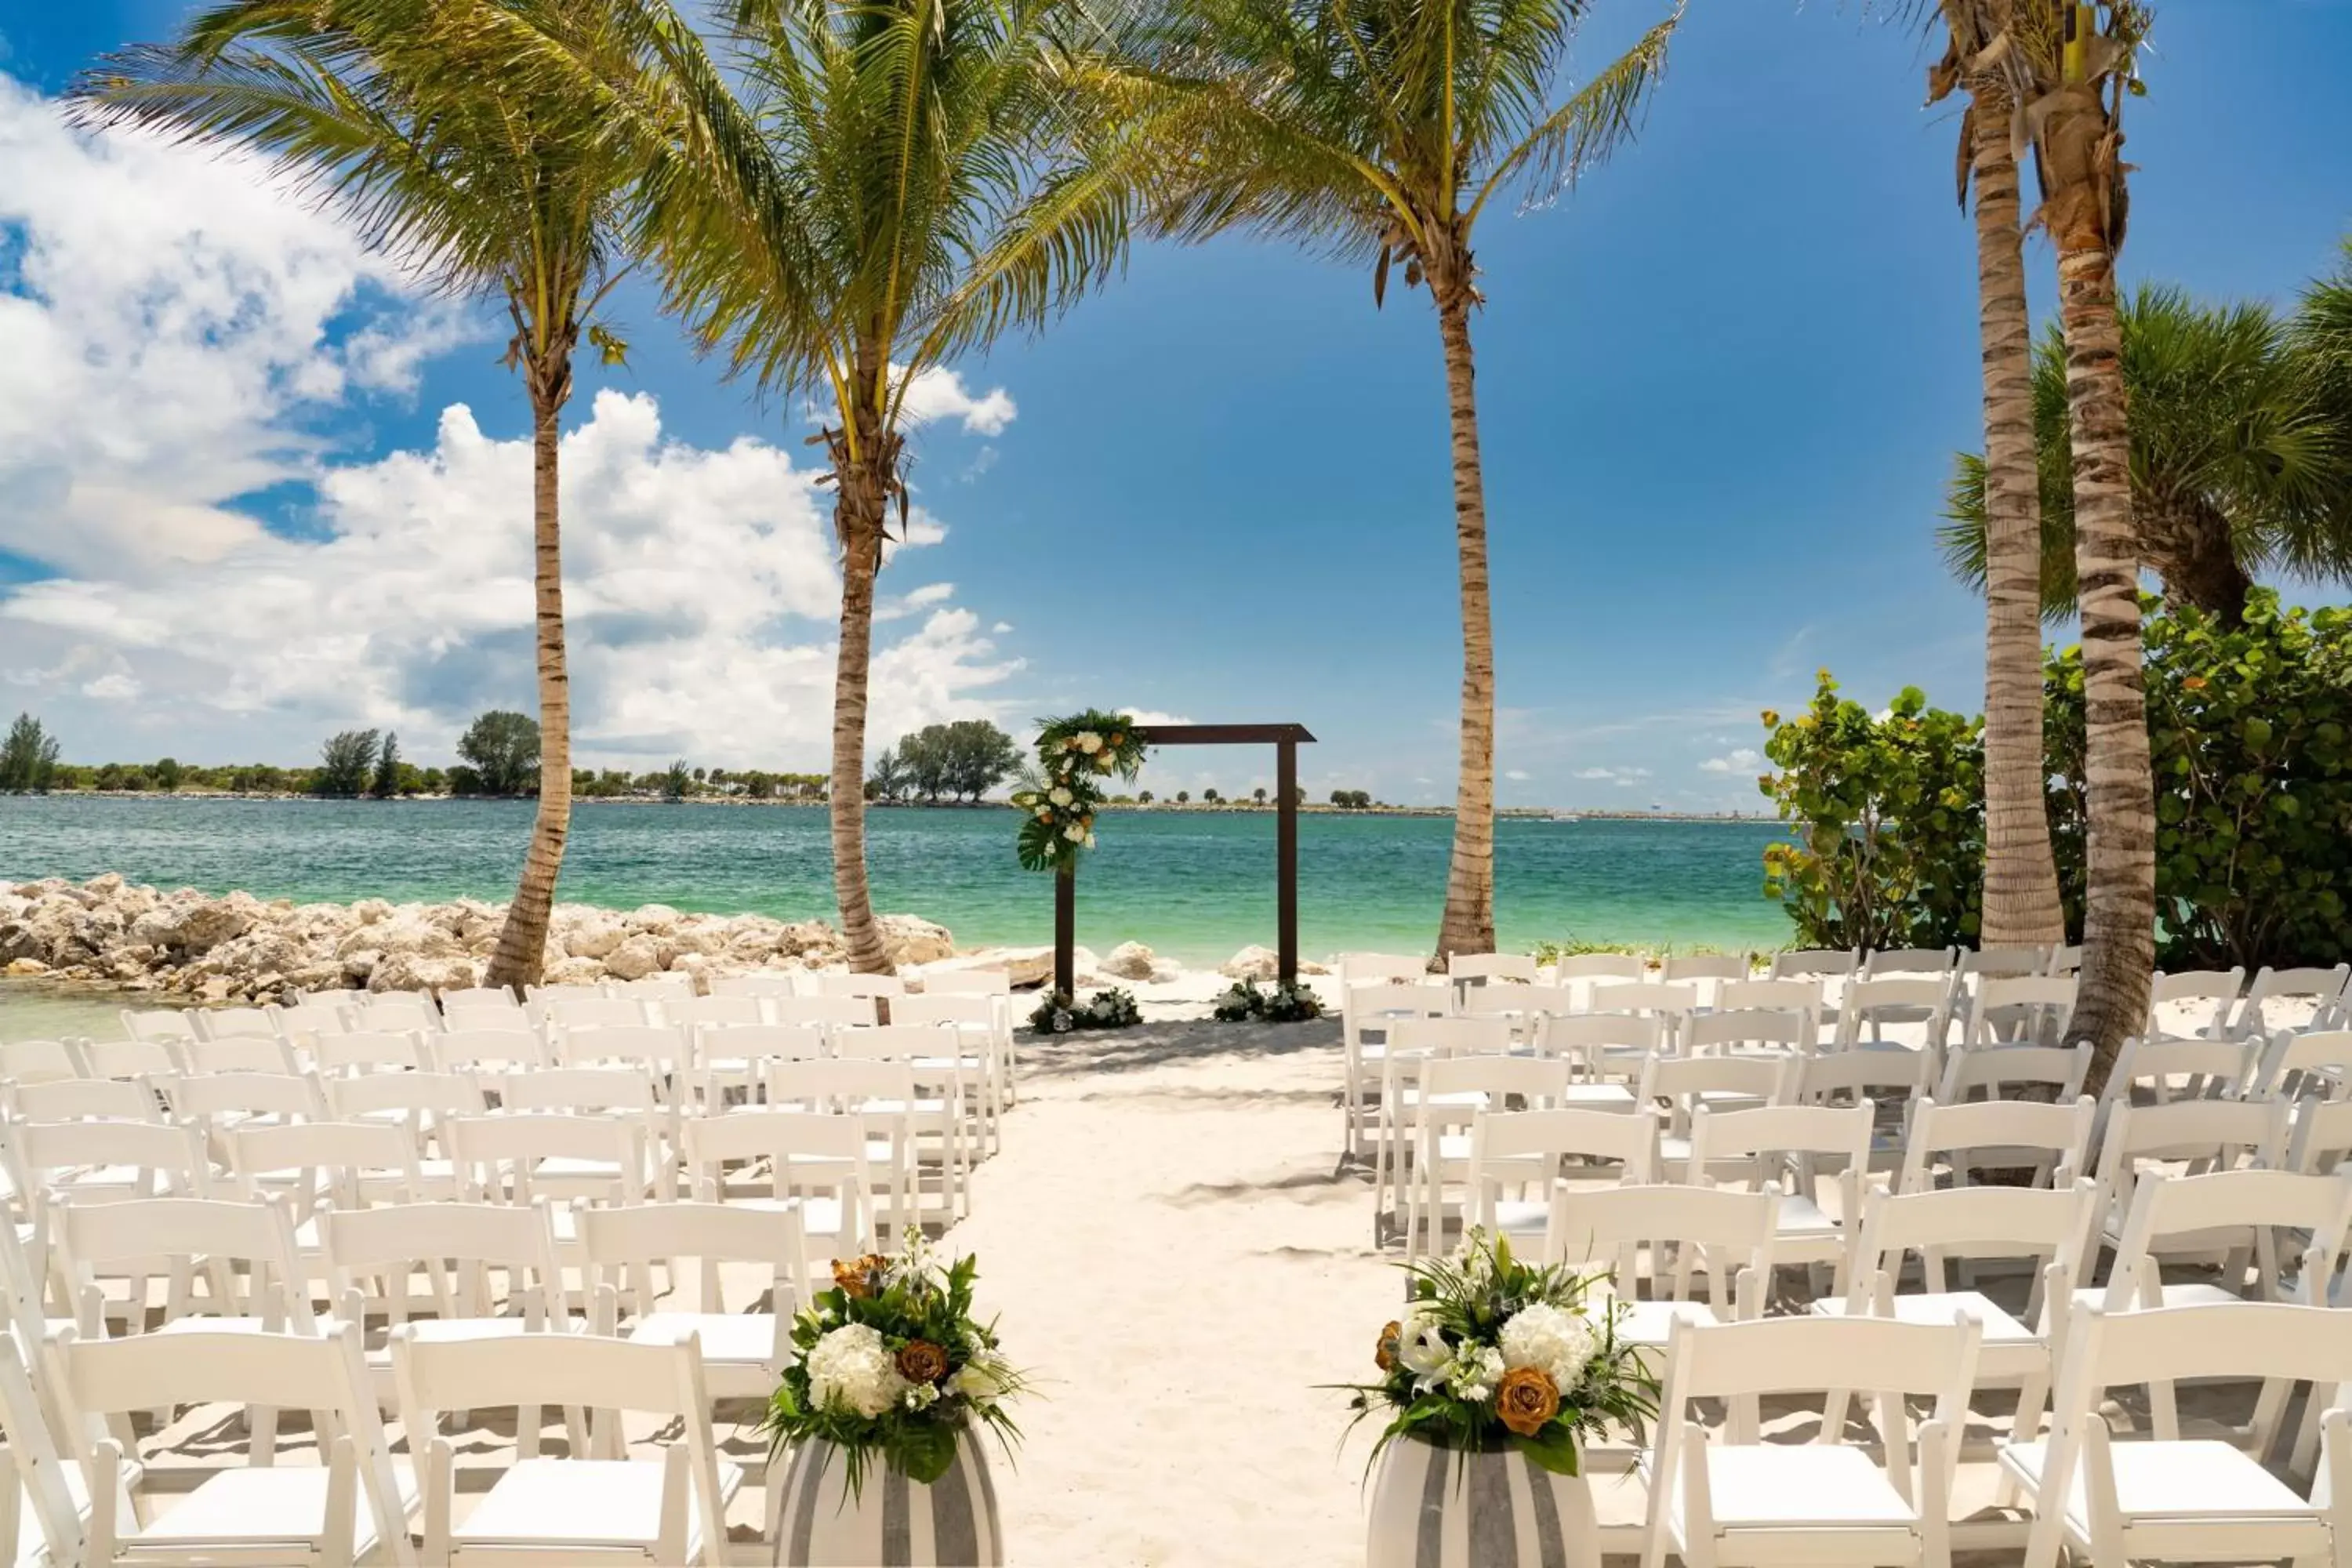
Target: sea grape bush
{"points": [[2251, 733]]}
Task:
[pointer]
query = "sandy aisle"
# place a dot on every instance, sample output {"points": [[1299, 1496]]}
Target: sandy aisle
{"points": [[1179, 1263]]}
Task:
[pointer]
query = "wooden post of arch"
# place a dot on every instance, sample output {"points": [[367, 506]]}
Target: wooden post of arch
{"points": [[1285, 739]]}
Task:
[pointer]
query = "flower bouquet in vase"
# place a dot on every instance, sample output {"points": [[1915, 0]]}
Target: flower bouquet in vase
{"points": [[890, 1382], [1497, 1373]]}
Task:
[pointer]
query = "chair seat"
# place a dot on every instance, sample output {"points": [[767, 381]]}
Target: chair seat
{"points": [[274, 1503], [1939, 1306], [2190, 1294], [2199, 1479], [1648, 1323], [1815, 1486], [737, 1338], [1598, 1097], [581, 1504]]}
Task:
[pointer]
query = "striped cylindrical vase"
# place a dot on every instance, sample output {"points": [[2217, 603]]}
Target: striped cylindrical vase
{"points": [[893, 1518], [1441, 1508]]}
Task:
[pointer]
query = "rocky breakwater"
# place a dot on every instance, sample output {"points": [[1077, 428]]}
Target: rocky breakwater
{"points": [[239, 947]]}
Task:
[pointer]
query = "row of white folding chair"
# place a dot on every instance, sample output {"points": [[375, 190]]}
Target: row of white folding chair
{"points": [[2227, 1007], [356, 1502]]}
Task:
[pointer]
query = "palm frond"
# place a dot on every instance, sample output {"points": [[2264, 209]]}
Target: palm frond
{"points": [[1595, 122]]}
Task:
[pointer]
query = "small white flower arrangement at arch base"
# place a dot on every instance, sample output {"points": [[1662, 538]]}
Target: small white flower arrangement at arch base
{"points": [[1076, 757]]}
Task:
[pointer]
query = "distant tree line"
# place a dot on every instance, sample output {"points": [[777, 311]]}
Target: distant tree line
{"points": [[962, 760], [498, 756]]}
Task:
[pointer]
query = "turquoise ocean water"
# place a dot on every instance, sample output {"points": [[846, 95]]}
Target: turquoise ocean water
{"points": [[1195, 885]]}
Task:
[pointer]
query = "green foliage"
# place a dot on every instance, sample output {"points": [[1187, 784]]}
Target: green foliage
{"points": [[1352, 799], [385, 781], [923, 1315], [346, 763], [962, 760], [1111, 1008], [502, 751], [1889, 847], [2248, 733], [166, 774], [1076, 756], [677, 783], [1283, 1004], [28, 758], [1441, 1375]]}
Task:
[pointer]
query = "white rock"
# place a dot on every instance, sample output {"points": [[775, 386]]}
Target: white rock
{"points": [[1251, 963], [910, 939], [633, 959], [595, 938], [573, 971], [652, 917], [1131, 961]]}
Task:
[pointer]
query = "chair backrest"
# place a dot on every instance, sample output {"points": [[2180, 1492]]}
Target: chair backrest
{"points": [[1375, 1006], [1615, 1226], [1930, 960], [1365, 968], [805, 1152], [837, 1084], [1473, 966], [1997, 1134], [2211, 1069], [418, 1094], [2205, 1134], [128, 1058], [750, 1042], [2046, 1224], [2314, 1065], [1495, 998], [831, 983], [305, 1021], [477, 995], [1587, 1037], [1815, 964], [1534, 1079], [2275, 990], [2323, 1135], [167, 1156], [496, 1050], [1841, 1132], [1656, 998], [1872, 1005], [211, 1095], [1782, 995], [592, 1012], [608, 1376], [2163, 1209], [228, 1023], [837, 1012], [660, 989], [2210, 996], [614, 1087], [236, 1053], [329, 1157], [1504, 1143], [1682, 1080], [91, 1239], [1997, 1069], [357, 1051], [1449, 1037], [580, 990], [618, 1239], [1748, 1027], [896, 1042], [984, 981], [1737, 1362], [159, 1022], [1600, 966], [715, 1009], [398, 1011], [1845, 1077], [2048, 1000], [39, 1061], [74, 1099], [498, 1157], [660, 1048], [1684, 968], [2106, 1348], [2004, 962], [398, 1240], [964, 1009], [473, 1017]]}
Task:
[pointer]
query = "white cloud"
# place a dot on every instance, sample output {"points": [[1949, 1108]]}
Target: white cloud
{"points": [[941, 393], [170, 321], [1516, 775], [1623, 777], [1743, 761], [700, 592], [1148, 716], [914, 601]]}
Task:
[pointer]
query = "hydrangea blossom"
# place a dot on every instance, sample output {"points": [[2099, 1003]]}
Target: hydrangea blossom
{"points": [[852, 1367], [1474, 1372], [1554, 1340]]}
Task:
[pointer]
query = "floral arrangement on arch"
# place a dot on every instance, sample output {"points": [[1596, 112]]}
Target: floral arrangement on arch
{"points": [[1494, 1353], [1076, 756], [890, 1363]]}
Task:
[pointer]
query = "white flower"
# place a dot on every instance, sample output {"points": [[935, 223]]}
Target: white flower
{"points": [[1553, 1339], [1060, 797], [1090, 840], [1075, 833], [1422, 1348], [1089, 742], [982, 1378], [1474, 1371], [920, 1396], [852, 1367], [1044, 814]]}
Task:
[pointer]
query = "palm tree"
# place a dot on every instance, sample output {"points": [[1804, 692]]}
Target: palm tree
{"points": [[401, 114], [2070, 68], [1378, 131], [2021, 907], [2236, 465], [897, 183]]}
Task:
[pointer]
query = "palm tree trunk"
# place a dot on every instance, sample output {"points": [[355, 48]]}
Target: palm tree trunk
{"points": [[2021, 878], [2192, 544], [523, 940], [2119, 854], [1468, 925], [859, 517]]}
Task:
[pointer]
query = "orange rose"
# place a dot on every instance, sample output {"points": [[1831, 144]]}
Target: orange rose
{"points": [[1526, 1399], [922, 1362], [1384, 1351], [849, 1279]]}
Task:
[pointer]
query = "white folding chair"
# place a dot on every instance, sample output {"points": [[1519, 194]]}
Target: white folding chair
{"points": [[832, 983], [476, 996], [1454, 1091], [1786, 1145], [485, 1050], [2322, 1136], [751, 986], [1370, 1010], [1822, 964], [977, 1023], [603, 1509], [2163, 1070], [731, 1056], [1891, 1081], [2164, 1497], [231, 1023], [1682, 1084], [84, 1099], [159, 1024], [349, 1506], [25, 1062], [1609, 1052], [1410, 1042], [2019, 1010], [1731, 1500], [2208, 996], [949, 1087], [690, 1012], [1593, 968], [128, 1058], [39, 1484], [883, 1095], [189, 1241], [1677, 1230], [1670, 1004], [513, 1157], [319, 1165], [2055, 1071], [353, 1051], [395, 1012], [418, 1102], [2314, 1065], [2192, 1137], [593, 1013], [1529, 1151], [1934, 962], [234, 1054], [1749, 1031], [475, 1017], [2300, 998], [1714, 970], [823, 1162], [1875, 1007], [832, 1012], [303, 1024]]}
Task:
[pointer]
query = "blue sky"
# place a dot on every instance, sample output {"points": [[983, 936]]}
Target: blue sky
{"points": [[1721, 385]]}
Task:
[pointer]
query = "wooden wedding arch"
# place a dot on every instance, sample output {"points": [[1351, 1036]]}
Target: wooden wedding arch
{"points": [[1285, 740]]}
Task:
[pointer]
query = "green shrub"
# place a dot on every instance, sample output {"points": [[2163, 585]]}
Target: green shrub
{"points": [[1286, 1004], [1110, 1008]]}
